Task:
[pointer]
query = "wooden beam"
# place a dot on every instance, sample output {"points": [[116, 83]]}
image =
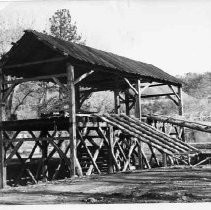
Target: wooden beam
{"points": [[83, 76], [180, 106], [72, 118], [157, 95], [138, 100], [127, 105], [21, 65], [17, 81], [174, 92], [110, 136], [170, 97], [8, 91], [56, 80], [116, 97], [131, 86], [88, 152], [3, 176], [155, 85]]}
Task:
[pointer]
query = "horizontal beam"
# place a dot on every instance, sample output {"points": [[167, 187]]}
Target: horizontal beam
{"points": [[34, 63], [17, 81], [157, 95], [182, 123], [155, 85]]}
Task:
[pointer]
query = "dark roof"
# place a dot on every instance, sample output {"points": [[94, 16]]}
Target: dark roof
{"points": [[103, 59]]}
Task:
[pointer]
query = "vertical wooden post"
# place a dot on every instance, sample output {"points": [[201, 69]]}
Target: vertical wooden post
{"points": [[138, 100], [138, 115], [127, 105], [72, 118], [44, 155], [77, 97], [116, 97], [180, 106], [110, 136], [180, 101], [3, 175]]}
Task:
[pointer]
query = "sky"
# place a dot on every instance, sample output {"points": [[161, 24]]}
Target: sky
{"points": [[174, 35]]}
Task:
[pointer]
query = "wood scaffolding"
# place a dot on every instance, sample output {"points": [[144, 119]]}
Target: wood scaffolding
{"points": [[90, 145]]}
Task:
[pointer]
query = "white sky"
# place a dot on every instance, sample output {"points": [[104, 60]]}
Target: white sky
{"points": [[174, 35]]}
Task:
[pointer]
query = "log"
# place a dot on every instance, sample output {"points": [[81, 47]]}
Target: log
{"points": [[83, 76], [3, 174], [131, 132], [137, 130], [151, 131], [183, 123], [165, 136]]}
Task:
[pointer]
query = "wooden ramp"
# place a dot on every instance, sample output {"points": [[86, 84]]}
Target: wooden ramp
{"points": [[149, 135]]}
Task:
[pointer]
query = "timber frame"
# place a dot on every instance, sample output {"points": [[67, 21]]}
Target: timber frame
{"points": [[84, 134]]}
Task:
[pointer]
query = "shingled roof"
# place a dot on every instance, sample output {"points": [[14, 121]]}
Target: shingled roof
{"points": [[89, 55]]}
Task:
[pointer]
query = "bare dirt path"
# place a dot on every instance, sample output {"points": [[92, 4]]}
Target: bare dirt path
{"points": [[155, 185]]}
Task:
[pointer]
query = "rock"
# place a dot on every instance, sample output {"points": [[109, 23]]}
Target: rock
{"points": [[91, 200]]}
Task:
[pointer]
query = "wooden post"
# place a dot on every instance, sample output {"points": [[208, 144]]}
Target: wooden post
{"points": [[138, 100], [180, 101], [77, 96], [138, 115], [180, 106], [3, 175], [110, 136], [72, 118], [127, 105], [116, 97], [44, 155]]}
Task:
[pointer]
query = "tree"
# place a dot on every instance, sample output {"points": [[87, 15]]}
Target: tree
{"points": [[62, 27], [10, 32]]}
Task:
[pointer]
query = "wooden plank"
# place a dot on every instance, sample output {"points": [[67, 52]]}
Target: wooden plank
{"points": [[83, 76], [3, 176], [21, 65], [72, 117], [18, 81]]}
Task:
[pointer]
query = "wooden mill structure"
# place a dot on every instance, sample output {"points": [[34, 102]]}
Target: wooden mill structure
{"points": [[91, 143]]}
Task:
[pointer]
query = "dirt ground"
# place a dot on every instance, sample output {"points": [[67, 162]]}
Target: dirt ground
{"points": [[181, 184]]}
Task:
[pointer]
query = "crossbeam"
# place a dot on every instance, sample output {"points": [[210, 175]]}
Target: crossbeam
{"points": [[21, 65]]}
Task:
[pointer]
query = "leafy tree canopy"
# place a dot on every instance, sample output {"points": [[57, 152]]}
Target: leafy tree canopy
{"points": [[62, 27]]}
